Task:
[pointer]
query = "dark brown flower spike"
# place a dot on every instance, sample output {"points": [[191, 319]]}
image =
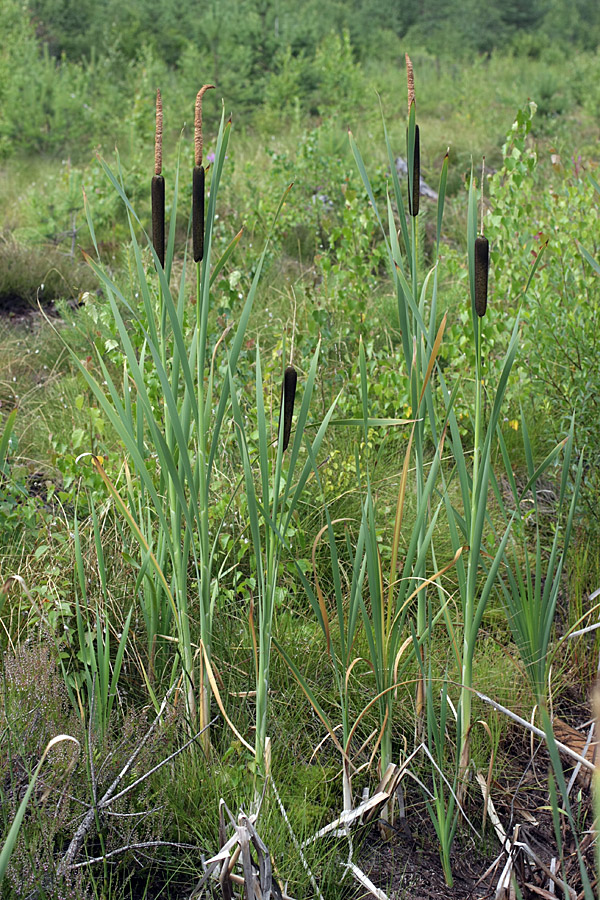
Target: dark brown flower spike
{"points": [[158, 188], [198, 180], [288, 395], [482, 265], [198, 213], [415, 193]]}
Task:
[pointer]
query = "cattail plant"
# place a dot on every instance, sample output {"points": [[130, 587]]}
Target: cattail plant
{"points": [[280, 490], [417, 313], [477, 576], [198, 180], [158, 188]]}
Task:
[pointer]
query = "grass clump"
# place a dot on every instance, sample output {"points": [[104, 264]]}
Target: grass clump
{"points": [[31, 275]]}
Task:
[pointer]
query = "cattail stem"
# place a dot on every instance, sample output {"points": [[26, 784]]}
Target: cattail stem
{"points": [[290, 379], [158, 135], [413, 145], [410, 78]]}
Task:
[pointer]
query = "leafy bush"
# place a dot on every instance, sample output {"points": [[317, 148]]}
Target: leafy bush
{"points": [[552, 202]]}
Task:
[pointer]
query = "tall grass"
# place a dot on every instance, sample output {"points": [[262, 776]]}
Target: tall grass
{"points": [[101, 667], [532, 576]]}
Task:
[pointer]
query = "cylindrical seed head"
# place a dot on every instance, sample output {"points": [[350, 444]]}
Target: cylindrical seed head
{"points": [[158, 217], [198, 213], [482, 265], [414, 191], [290, 379]]}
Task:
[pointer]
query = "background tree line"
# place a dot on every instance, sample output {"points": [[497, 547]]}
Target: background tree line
{"points": [[71, 64]]}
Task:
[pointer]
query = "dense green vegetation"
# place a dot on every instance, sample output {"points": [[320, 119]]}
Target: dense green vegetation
{"points": [[185, 581]]}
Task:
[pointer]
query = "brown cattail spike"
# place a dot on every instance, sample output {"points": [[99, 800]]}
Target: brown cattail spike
{"points": [[158, 135], [482, 265], [414, 191], [290, 379], [411, 82], [198, 124], [158, 217], [198, 213]]}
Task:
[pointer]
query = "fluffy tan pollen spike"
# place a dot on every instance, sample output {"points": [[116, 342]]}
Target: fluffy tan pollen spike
{"points": [[411, 82], [158, 135], [198, 124]]}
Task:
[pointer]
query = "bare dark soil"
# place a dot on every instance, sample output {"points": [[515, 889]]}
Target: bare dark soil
{"points": [[408, 864]]}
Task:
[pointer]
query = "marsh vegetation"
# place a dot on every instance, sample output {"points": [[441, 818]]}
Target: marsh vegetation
{"points": [[298, 450]]}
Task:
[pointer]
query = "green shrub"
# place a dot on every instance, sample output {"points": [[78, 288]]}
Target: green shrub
{"points": [[532, 203]]}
